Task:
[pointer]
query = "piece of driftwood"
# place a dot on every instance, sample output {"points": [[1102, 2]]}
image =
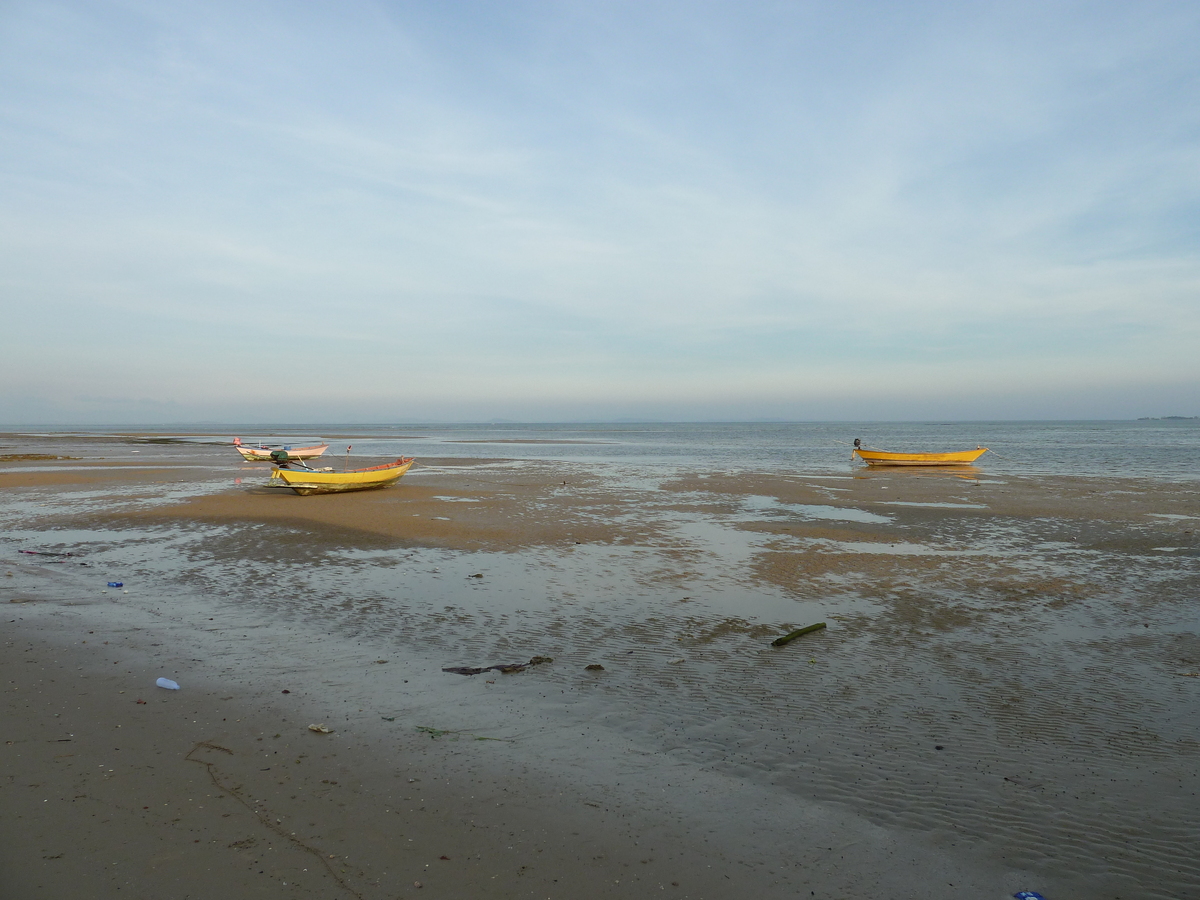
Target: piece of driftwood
{"points": [[792, 635], [510, 668], [506, 668]]}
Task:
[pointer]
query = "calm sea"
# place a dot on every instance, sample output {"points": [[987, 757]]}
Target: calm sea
{"points": [[1157, 449]]}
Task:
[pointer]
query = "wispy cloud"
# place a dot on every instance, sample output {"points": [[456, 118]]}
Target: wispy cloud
{"points": [[622, 204]]}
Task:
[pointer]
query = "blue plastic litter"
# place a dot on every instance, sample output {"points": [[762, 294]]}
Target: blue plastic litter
{"points": [[116, 584], [1028, 895], [172, 686]]}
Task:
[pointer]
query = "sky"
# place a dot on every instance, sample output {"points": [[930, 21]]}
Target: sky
{"points": [[585, 211]]}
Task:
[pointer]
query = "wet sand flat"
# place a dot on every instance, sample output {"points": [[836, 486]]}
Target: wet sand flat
{"points": [[118, 788], [1004, 698]]}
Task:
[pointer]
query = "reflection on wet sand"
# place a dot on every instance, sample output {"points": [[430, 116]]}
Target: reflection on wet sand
{"points": [[971, 473]]}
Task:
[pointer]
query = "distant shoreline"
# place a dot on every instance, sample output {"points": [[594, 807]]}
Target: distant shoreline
{"points": [[120, 429]]}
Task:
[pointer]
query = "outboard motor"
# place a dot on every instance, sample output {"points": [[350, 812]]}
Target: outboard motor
{"points": [[279, 457], [857, 444]]}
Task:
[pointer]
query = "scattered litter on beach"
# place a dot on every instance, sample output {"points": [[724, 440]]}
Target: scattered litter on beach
{"points": [[594, 667], [538, 660], [1028, 895], [320, 729], [168, 684], [116, 584], [676, 661], [792, 635]]}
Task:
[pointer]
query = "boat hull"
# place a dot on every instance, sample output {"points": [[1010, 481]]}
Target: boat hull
{"points": [[883, 458], [263, 454], [305, 483]]}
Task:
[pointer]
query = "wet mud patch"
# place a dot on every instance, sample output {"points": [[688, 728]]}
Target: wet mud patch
{"points": [[282, 541]]}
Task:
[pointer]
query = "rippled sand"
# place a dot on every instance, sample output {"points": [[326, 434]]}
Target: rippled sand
{"points": [[1005, 698]]}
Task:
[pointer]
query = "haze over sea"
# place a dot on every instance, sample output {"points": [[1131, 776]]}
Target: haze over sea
{"points": [[1154, 448]]}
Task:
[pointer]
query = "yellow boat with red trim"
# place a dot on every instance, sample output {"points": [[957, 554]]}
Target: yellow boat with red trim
{"points": [[310, 481]]}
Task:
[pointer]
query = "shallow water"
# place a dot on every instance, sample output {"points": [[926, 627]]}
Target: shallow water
{"points": [[1158, 449], [1005, 669]]}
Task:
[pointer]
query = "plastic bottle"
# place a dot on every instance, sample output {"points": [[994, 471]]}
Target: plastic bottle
{"points": [[167, 683]]}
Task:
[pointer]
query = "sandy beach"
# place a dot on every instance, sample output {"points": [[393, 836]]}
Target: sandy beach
{"points": [[1004, 699]]}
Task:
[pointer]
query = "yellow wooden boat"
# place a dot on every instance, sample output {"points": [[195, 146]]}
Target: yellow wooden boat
{"points": [[310, 481], [884, 458]]}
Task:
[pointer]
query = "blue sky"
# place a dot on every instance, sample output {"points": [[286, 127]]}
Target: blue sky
{"points": [[406, 211]]}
